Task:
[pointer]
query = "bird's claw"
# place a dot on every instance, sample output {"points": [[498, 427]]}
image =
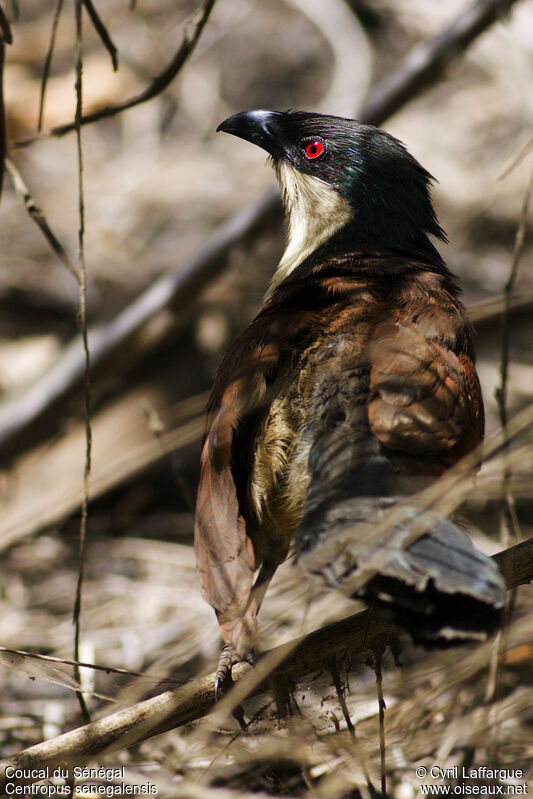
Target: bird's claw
{"points": [[223, 671], [251, 658], [223, 675]]}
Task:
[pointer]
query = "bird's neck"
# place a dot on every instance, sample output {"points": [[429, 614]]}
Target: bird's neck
{"points": [[322, 223], [315, 213]]}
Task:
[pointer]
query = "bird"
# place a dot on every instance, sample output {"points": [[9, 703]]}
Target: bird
{"points": [[353, 388]]}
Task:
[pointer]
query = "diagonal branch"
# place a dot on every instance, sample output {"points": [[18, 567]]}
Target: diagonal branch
{"points": [[48, 62], [36, 213], [179, 289], [102, 32], [195, 699], [427, 61], [193, 31]]}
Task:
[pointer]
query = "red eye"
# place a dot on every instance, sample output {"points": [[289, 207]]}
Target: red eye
{"points": [[314, 149]]}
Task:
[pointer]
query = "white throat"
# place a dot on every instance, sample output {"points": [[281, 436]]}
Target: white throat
{"points": [[315, 212]]}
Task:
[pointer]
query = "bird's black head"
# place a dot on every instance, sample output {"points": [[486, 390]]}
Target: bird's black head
{"points": [[359, 180]]}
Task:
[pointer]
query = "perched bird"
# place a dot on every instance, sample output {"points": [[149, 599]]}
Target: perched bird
{"points": [[352, 389]]}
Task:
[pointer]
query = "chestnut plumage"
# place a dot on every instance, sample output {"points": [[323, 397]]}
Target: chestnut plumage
{"points": [[352, 388]]}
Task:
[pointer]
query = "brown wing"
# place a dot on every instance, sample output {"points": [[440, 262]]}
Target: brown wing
{"points": [[424, 397], [224, 552]]}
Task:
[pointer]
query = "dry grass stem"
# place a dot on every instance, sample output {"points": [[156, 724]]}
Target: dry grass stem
{"points": [[182, 705]]}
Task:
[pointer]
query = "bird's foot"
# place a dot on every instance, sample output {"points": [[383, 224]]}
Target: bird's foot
{"points": [[223, 672], [223, 677], [225, 662]]}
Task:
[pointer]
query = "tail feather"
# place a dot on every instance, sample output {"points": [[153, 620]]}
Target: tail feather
{"points": [[441, 588]]}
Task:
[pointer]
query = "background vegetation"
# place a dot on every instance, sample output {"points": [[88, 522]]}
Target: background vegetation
{"points": [[158, 185]]}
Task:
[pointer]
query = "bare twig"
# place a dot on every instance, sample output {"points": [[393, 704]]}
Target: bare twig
{"points": [[123, 447], [340, 691], [80, 664], [85, 339], [5, 29], [194, 700], [508, 517], [192, 33], [102, 32], [176, 290], [5, 38], [179, 290], [486, 312], [378, 659], [39, 218], [501, 395], [399, 526], [48, 62], [428, 60]]}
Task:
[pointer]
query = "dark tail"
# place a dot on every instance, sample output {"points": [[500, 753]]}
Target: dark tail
{"points": [[441, 588]]}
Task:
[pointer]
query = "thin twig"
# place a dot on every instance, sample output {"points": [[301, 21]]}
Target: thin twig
{"points": [[399, 526], [80, 664], [39, 218], [5, 38], [486, 312], [341, 696], [508, 292], [175, 290], [84, 334], [48, 62], [378, 659], [508, 517], [102, 32], [178, 290], [192, 33], [5, 28], [340, 691], [194, 700]]}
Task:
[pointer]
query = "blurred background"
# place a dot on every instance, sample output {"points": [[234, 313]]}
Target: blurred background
{"points": [[158, 183]]}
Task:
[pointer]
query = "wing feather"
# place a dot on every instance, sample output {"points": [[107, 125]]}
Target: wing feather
{"points": [[224, 552], [423, 397]]}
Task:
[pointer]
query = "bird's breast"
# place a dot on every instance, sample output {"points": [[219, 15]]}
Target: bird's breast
{"points": [[305, 398]]}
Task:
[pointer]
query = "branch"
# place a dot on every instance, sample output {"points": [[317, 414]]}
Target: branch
{"points": [[485, 313], [427, 61], [179, 290], [48, 62], [102, 32], [36, 213], [100, 29], [192, 33], [175, 290], [87, 400], [359, 633], [502, 390], [5, 38]]}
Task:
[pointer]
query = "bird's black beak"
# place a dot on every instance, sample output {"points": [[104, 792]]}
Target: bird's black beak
{"points": [[258, 127]]}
